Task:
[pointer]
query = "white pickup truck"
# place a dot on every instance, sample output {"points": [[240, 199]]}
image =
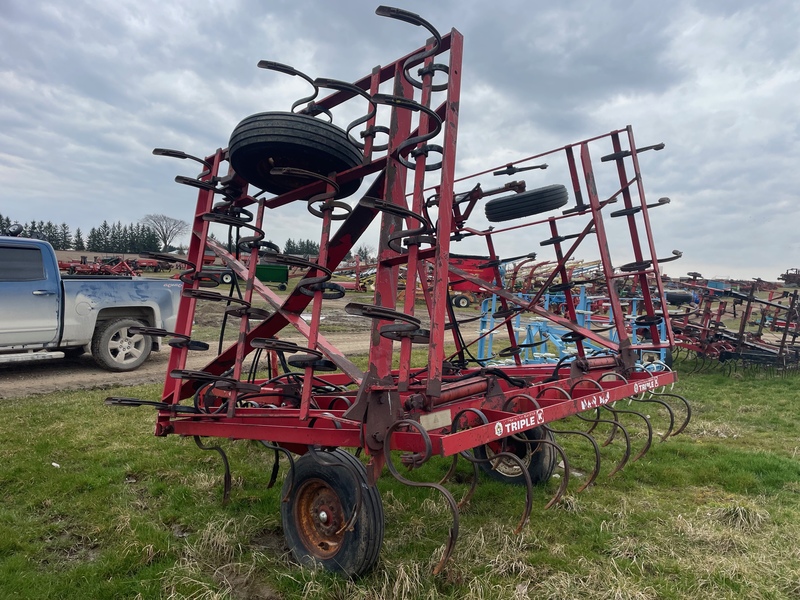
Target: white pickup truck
{"points": [[44, 315]]}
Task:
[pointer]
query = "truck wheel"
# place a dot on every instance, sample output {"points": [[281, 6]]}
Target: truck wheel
{"points": [[115, 349], [321, 498], [540, 459], [269, 140], [526, 204], [461, 301]]}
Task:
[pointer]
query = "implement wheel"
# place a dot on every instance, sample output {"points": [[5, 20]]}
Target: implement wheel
{"points": [[540, 459], [268, 140], [461, 301], [322, 497], [526, 204]]}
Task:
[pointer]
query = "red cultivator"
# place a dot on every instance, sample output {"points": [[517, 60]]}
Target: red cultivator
{"points": [[763, 337], [497, 418]]}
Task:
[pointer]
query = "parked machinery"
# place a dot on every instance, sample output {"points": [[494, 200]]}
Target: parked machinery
{"points": [[403, 151]]}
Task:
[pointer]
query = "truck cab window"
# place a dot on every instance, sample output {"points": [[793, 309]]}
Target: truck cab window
{"points": [[21, 264]]}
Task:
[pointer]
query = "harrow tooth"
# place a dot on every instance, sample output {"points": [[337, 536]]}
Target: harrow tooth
{"points": [[226, 491]]}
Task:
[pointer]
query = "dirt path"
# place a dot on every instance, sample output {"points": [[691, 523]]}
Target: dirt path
{"points": [[350, 334], [28, 379]]}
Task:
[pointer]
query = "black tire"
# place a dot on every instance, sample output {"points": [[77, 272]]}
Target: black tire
{"points": [[526, 204], [539, 458], [322, 491], [114, 349], [282, 286], [669, 360], [270, 140], [461, 301], [73, 352], [678, 298], [226, 278]]}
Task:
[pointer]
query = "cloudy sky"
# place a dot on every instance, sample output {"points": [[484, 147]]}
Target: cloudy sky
{"points": [[90, 87]]}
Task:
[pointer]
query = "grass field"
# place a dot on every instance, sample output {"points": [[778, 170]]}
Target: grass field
{"points": [[93, 506]]}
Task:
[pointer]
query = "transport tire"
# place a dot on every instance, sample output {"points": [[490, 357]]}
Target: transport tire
{"points": [[268, 140], [321, 498], [461, 301], [678, 298], [540, 459], [227, 278], [115, 349], [526, 204]]}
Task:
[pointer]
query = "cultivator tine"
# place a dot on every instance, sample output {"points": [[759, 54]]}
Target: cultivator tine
{"points": [[317, 455], [276, 465], [473, 484], [467, 454], [597, 458], [671, 413], [688, 411], [649, 442], [496, 458], [226, 492], [421, 459], [594, 421], [562, 488], [528, 483], [614, 424]]}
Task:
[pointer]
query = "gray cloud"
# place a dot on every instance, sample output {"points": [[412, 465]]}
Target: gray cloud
{"points": [[89, 88]]}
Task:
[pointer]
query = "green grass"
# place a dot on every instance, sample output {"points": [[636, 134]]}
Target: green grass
{"points": [[92, 505]]}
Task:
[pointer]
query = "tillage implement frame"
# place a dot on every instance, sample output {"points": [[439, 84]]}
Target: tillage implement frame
{"points": [[503, 420]]}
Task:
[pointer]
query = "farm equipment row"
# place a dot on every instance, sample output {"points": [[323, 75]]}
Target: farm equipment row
{"points": [[311, 402], [114, 266], [760, 337]]}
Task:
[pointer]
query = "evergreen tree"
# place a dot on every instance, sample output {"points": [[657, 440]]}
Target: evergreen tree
{"points": [[93, 242], [65, 237], [115, 238], [51, 235], [78, 243], [104, 237]]}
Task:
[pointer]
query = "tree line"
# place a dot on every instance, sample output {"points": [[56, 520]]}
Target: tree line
{"points": [[107, 238], [302, 247]]}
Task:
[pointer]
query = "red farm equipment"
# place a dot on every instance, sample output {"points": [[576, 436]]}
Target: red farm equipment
{"points": [[501, 420], [107, 266]]}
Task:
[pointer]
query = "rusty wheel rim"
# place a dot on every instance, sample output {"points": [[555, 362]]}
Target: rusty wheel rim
{"points": [[320, 516]]}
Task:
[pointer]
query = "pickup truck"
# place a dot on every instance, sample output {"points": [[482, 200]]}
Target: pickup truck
{"points": [[45, 315]]}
